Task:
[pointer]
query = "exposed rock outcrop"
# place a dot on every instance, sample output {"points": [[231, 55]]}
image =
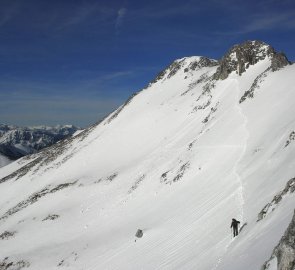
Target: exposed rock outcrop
{"points": [[7, 264], [35, 197], [291, 138], [139, 233], [202, 62], [176, 65], [289, 188], [255, 85], [51, 217], [284, 252], [170, 70], [279, 60], [241, 56], [6, 235]]}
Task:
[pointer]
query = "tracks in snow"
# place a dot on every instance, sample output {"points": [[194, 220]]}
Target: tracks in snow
{"points": [[240, 201], [241, 188]]}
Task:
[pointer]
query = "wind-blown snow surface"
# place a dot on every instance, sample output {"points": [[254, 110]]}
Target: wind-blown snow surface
{"points": [[179, 161]]}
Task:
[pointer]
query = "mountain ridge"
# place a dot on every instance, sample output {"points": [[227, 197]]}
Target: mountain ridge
{"points": [[177, 160], [16, 142]]}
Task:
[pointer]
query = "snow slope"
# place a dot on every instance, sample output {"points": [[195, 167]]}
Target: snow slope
{"points": [[179, 160]]}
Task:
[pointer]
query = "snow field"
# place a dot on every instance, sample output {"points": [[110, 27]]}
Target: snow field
{"points": [[160, 167]]}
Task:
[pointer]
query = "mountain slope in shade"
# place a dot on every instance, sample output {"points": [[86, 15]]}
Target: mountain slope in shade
{"points": [[16, 142], [178, 160], [4, 160]]}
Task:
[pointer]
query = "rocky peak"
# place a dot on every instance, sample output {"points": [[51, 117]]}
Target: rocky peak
{"points": [[241, 56]]}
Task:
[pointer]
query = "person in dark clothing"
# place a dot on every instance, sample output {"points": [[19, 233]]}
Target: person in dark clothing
{"points": [[235, 224]]}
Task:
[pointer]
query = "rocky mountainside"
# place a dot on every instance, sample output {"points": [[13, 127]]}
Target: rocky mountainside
{"points": [[156, 184], [240, 57], [16, 142]]}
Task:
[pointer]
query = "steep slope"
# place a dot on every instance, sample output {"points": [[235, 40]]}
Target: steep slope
{"points": [[177, 160]]}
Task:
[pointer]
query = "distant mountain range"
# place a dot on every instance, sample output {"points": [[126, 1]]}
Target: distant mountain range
{"points": [[16, 142]]}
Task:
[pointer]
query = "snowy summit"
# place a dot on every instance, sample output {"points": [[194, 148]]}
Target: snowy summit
{"points": [[156, 184]]}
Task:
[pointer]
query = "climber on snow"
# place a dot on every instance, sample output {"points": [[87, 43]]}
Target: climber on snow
{"points": [[235, 224]]}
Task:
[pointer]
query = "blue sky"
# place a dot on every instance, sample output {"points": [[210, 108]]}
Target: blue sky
{"points": [[67, 61]]}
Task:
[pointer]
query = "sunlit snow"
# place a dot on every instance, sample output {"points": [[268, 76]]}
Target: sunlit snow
{"points": [[177, 162]]}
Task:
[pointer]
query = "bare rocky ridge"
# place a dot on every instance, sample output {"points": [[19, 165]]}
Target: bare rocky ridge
{"points": [[237, 59], [175, 66], [241, 56], [203, 62], [204, 109]]}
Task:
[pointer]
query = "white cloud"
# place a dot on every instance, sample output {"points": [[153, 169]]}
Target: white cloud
{"points": [[120, 16]]}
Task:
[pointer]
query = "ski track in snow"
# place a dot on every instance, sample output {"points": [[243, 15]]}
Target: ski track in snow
{"points": [[239, 197], [240, 191]]}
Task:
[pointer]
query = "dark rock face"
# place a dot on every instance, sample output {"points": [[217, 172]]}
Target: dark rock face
{"points": [[139, 233], [278, 61], [241, 56], [285, 250]]}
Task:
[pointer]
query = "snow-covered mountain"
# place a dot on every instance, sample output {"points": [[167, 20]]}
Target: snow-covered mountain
{"points": [[4, 160], [16, 142], [205, 142]]}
